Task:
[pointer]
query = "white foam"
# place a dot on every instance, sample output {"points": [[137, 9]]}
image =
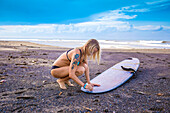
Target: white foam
{"points": [[107, 44]]}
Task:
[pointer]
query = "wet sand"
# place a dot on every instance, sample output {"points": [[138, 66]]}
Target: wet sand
{"points": [[27, 86]]}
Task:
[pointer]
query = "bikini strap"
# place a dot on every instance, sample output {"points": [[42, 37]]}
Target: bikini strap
{"points": [[67, 54], [80, 53], [70, 50]]}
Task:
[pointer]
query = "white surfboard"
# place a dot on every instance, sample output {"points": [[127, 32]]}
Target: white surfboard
{"points": [[114, 76]]}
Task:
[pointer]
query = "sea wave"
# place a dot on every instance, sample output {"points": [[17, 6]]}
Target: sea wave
{"points": [[105, 44]]}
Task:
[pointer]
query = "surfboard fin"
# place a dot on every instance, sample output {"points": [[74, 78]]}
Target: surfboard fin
{"points": [[129, 69], [130, 58]]}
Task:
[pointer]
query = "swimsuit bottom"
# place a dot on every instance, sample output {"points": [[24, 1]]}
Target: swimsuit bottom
{"points": [[54, 67]]}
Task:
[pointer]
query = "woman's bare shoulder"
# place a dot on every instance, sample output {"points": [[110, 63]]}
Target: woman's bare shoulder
{"points": [[75, 51]]}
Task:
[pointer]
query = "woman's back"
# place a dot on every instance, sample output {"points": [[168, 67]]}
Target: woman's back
{"points": [[65, 58]]}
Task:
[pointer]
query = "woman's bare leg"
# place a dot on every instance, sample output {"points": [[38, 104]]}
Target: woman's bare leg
{"points": [[80, 70], [63, 75], [61, 72], [62, 81]]}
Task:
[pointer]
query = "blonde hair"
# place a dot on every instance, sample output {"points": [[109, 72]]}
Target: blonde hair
{"points": [[89, 47]]}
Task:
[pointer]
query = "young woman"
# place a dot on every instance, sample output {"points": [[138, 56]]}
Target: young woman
{"points": [[73, 63]]}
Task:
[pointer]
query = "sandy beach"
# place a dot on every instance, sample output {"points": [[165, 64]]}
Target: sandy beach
{"points": [[27, 86]]}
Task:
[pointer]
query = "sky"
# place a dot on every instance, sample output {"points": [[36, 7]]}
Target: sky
{"points": [[84, 19]]}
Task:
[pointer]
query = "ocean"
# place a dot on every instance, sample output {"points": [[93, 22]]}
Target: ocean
{"points": [[105, 44]]}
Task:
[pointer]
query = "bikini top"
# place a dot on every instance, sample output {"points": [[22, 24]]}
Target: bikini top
{"points": [[70, 50]]}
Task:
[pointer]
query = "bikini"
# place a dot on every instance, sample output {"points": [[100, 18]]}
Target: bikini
{"points": [[54, 67]]}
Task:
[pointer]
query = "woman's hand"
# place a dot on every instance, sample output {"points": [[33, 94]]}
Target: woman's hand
{"points": [[89, 87], [93, 84]]}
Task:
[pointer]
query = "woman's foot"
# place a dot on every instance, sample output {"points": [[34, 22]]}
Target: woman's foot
{"points": [[61, 84], [68, 83]]}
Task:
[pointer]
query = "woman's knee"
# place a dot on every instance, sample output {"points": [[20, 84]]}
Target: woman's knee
{"points": [[80, 71], [85, 66], [54, 74]]}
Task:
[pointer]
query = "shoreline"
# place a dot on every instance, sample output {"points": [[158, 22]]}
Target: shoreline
{"points": [[17, 45], [27, 86]]}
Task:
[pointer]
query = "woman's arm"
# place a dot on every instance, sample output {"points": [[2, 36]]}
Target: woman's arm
{"points": [[86, 72], [73, 67], [85, 65]]}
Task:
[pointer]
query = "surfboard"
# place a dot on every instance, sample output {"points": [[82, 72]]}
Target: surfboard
{"points": [[114, 76]]}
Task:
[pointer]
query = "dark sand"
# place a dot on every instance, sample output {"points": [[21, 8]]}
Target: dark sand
{"points": [[27, 86]]}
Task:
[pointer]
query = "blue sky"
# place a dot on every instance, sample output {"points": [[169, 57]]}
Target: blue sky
{"points": [[81, 19]]}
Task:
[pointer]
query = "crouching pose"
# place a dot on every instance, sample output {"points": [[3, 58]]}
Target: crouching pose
{"points": [[73, 63]]}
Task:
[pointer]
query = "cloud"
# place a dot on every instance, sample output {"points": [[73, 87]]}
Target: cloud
{"points": [[148, 28], [98, 30], [104, 24], [79, 29], [156, 2], [84, 27], [112, 16], [138, 10], [166, 27], [99, 26], [147, 6], [2, 29], [134, 8]]}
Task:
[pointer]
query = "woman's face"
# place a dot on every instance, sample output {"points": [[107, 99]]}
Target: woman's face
{"points": [[93, 51]]}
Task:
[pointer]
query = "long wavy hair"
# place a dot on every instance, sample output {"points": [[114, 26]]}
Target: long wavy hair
{"points": [[89, 47]]}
